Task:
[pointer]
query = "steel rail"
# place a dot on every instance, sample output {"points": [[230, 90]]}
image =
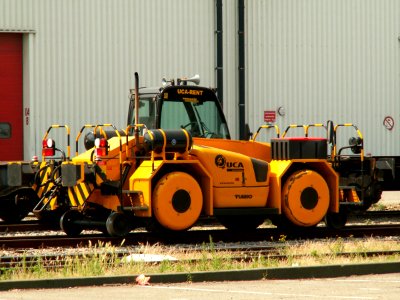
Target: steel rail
{"points": [[197, 236], [34, 225]]}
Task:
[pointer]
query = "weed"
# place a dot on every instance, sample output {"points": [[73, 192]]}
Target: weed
{"points": [[378, 207], [102, 259], [282, 238], [337, 246]]}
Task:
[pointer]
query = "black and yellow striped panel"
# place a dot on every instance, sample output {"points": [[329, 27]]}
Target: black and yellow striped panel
{"points": [[100, 175], [44, 183], [80, 193]]}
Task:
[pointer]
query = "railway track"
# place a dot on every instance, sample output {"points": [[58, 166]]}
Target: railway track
{"points": [[27, 226], [34, 225], [240, 253], [195, 236]]}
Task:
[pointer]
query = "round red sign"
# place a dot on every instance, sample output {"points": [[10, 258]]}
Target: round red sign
{"points": [[388, 122]]}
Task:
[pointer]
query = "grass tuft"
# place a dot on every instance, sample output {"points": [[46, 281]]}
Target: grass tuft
{"points": [[102, 259]]}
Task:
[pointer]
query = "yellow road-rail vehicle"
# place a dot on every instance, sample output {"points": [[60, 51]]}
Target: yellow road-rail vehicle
{"points": [[175, 162]]}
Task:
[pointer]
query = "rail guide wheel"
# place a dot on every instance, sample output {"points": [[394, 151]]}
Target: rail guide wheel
{"points": [[247, 223], [15, 207], [305, 198], [336, 220], [118, 224], [177, 201], [68, 222]]}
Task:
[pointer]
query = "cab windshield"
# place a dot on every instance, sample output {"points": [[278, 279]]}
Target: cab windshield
{"points": [[201, 119], [201, 116]]}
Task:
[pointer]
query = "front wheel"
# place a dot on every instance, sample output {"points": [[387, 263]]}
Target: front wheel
{"points": [[177, 201]]}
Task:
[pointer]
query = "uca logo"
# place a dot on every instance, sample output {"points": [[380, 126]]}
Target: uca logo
{"points": [[220, 161]]}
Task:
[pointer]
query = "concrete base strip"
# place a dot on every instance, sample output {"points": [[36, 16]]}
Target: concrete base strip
{"points": [[234, 275]]}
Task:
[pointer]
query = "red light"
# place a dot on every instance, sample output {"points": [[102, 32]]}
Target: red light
{"points": [[103, 143], [101, 147], [48, 152], [101, 152], [48, 147]]}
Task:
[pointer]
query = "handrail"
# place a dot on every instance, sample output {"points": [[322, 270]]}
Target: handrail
{"points": [[266, 127], [68, 138]]}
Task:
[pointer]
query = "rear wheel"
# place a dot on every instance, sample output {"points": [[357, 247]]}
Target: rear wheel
{"points": [[305, 198], [177, 201]]}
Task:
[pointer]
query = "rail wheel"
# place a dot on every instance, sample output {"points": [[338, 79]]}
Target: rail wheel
{"points": [[118, 224], [11, 213], [68, 222], [177, 201], [373, 194], [336, 220], [16, 206], [305, 198], [241, 223]]}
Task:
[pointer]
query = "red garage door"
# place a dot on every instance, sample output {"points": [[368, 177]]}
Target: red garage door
{"points": [[11, 141]]}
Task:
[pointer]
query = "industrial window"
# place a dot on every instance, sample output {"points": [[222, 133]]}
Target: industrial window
{"points": [[5, 130]]}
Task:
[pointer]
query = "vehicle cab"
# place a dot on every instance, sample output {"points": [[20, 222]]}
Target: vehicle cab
{"points": [[196, 109]]}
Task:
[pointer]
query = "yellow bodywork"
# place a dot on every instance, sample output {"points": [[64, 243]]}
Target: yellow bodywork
{"points": [[279, 169], [230, 184], [215, 173], [234, 179], [140, 182], [254, 149], [109, 169]]}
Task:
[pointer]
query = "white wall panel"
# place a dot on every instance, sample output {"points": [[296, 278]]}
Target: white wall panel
{"points": [[326, 59], [319, 59], [83, 54], [230, 66]]}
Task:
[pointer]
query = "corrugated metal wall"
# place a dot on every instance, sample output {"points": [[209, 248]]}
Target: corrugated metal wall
{"points": [[318, 59], [326, 59], [230, 46], [80, 56]]}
